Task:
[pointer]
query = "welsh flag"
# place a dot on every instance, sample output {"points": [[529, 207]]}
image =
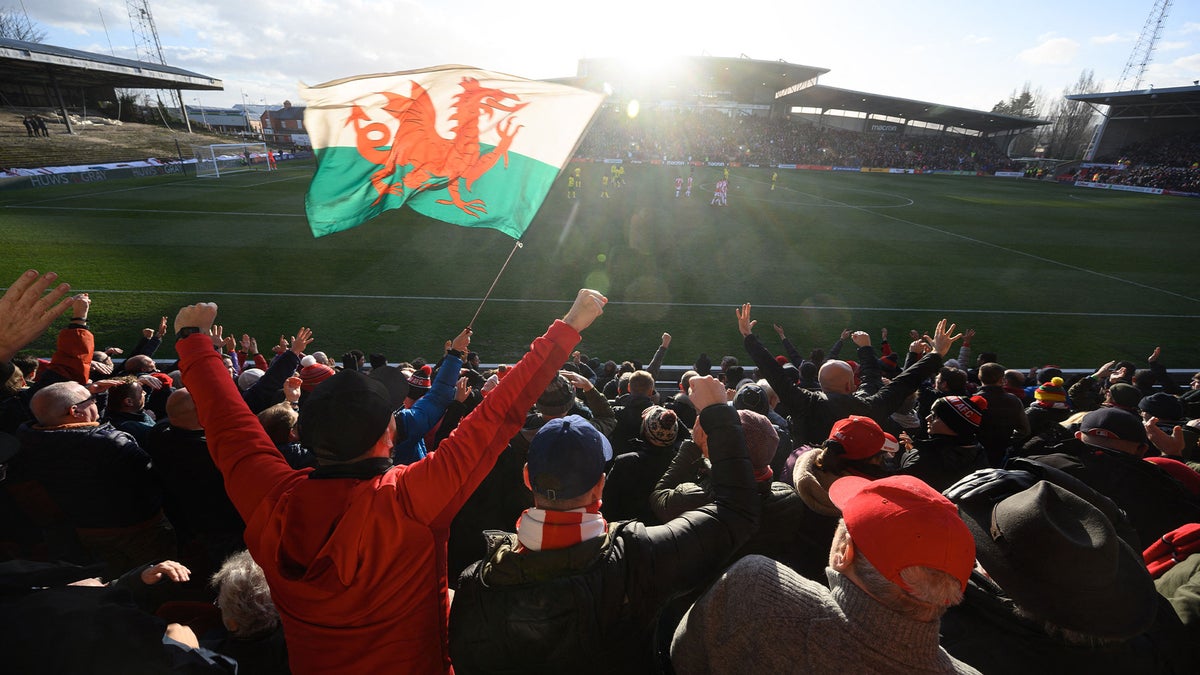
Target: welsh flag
{"points": [[462, 145]]}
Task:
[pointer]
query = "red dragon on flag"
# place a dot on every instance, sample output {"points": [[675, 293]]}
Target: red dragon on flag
{"points": [[436, 162], [433, 140]]}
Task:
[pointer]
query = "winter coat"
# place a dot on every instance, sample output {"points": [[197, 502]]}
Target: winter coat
{"points": [[357, 565], [591, 607]]}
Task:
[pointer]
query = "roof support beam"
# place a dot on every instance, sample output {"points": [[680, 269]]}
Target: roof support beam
{"points": [[62, 105]]}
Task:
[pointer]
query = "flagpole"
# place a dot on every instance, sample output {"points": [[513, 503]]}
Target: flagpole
{"points": [[518, 245], [487, 295]]}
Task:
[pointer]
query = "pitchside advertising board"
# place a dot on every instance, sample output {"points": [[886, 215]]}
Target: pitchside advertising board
{"points": [[97, 175]]}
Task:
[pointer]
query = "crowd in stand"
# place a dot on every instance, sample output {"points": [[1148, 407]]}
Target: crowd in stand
{"points": [[868, 507], [1169, 162], [714, 136]]}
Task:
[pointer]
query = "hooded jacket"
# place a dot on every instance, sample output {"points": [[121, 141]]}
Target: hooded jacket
{"points": [[357, 566]]}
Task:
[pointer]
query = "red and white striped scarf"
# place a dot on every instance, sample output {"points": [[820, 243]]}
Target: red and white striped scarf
{"points": [[542, 529]]}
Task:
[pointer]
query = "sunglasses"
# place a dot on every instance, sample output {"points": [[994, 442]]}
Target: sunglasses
{"points": [[84, 402]]}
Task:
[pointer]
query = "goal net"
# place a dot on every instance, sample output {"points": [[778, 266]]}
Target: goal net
{"points": [[221, 158]]}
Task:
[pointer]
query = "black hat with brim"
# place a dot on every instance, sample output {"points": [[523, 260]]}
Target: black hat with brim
{"points": [[1060, 559]]}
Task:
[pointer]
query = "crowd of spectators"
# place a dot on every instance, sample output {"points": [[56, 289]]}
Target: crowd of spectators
{"points": [[894, 508], [673, 135], [1169, 162]]}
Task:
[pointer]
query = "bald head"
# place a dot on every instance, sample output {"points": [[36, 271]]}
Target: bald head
{"points": [[63, 403], [181, 410], [140, 363], [836, 377]]}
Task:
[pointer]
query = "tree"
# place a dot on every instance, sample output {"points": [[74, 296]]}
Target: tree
{"points": [[1025, 103], [15, 25], [1074, 121]]}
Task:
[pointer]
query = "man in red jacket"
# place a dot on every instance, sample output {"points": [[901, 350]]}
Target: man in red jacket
{"points": [[355, 550]]}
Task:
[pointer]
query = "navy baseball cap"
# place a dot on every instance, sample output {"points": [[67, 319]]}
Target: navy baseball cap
{"points": [[566, 458], [1114, 423]]}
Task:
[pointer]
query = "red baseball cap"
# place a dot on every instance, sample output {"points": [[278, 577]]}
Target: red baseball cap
{"points": [[899, 521], [862, 437]]}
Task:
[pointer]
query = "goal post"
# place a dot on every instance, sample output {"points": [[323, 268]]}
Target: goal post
{"points": [[221, 158]]}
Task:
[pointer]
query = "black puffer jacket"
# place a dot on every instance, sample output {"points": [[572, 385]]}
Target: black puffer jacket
{"points": [[591, 608], [98, 476]]}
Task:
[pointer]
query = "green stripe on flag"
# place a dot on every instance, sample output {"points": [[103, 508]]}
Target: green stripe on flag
{"points": [[341, 194]]}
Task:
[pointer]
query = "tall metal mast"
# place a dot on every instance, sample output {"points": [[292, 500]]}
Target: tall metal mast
{"points": [[1143, 50], [148, 46], [1135, 67]]}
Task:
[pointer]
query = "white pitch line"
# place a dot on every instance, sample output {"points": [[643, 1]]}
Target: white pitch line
{"points": [[227, 186], [634, 303], [119, 210], [835, 205], [1016, 251]]}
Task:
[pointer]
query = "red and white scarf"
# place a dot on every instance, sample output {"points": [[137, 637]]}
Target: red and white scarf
{"points": [[542, 529]]}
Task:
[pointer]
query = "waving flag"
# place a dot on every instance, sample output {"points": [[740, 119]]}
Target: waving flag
{"points": [[462, 145]]}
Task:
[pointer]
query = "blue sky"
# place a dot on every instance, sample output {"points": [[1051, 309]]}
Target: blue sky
{"points": [[959, 53]]}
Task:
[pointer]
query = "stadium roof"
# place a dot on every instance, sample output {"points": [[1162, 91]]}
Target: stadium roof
{"points": [[833, 98], [35, 63], [775, 83], [743, 79], [1170, 102]]}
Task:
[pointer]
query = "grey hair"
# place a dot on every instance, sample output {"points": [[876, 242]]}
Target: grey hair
{"points": [[932, 590], [244, 597]]}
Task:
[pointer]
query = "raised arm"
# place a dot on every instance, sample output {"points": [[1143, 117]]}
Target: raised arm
{"points": [[659, 355], [789, 348], [686, 550], [27, 310], [797, 400], [603, 417], [888, 399], [869, 372], [418, 420], [262, 394], [438, 485], [248, 461], [1161, 376], [72, 360]]}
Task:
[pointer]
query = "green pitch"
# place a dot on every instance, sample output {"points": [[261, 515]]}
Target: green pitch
{"points": [[1043, 273]]}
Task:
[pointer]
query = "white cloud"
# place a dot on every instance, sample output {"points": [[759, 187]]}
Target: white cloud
{"points": [[1170, 46], [1190, 27], [1177, 73], [1109, 39], [977, 39], [1052, 52]]}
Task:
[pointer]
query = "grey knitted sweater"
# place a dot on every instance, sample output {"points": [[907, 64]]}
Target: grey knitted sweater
{"points": [[761, 617]]}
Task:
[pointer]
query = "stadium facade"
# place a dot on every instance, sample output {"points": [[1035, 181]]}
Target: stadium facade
{"points": [[775, 89]]}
